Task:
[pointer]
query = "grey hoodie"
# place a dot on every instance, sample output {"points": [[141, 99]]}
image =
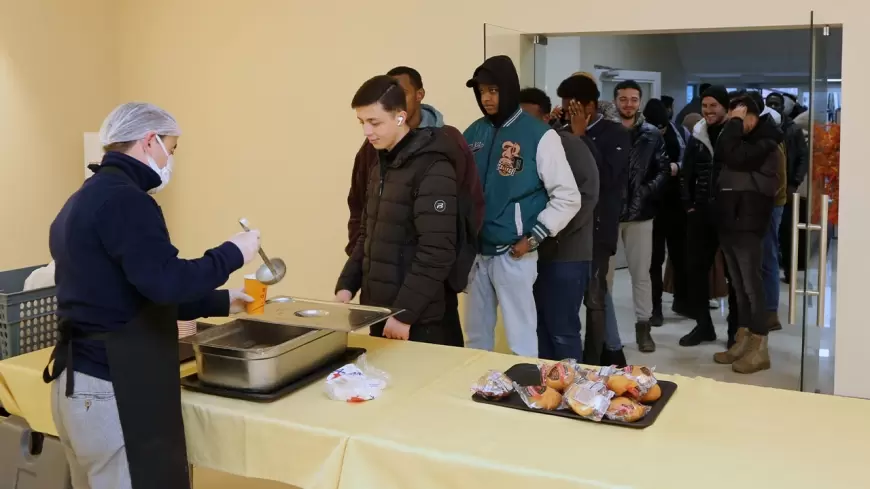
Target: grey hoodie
{"points": [[430, 117]]}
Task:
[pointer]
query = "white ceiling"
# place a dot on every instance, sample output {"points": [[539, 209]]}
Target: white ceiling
{"points": [[756, 54]]}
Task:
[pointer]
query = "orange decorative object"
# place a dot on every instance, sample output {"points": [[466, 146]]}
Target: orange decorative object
{"points": [[826, 169]]}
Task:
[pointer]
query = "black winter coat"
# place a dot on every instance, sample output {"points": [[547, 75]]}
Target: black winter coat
{"points": [[749, 179], [613, 142], [797, 153], [699, 174], [408, 241], [648, 171]]}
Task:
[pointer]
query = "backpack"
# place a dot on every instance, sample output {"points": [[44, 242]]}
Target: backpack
{"points": [[467, 227]]}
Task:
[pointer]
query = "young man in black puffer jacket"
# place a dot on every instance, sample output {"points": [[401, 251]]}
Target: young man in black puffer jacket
{"points": [[648, 170], [407, 244], [750, 156], [698, 180]]}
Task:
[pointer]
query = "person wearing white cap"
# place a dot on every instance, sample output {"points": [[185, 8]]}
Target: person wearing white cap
{"points": [[121, 287]]}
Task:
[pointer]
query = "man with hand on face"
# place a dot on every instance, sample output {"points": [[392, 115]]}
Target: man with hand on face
{"points": [[698, 184], [579, 94], [420, 115], [751, 166], [649, 170], [407, 243], [531, 195], [564, 262]]}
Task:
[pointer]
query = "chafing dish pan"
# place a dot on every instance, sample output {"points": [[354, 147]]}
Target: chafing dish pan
{"points": [[260, 357], [290, 339], [316, 314]]}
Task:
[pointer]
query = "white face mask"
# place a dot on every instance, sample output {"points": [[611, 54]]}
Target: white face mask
{"points": [[165, 172]]}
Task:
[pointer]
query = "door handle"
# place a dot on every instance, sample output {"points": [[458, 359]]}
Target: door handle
{"points": [[793, 267], [823, 261], [793, 290]]}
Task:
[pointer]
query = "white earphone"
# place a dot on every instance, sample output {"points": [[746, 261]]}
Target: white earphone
{"points": [[401, 120]]}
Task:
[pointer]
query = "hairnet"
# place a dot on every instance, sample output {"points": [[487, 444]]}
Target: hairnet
{"points": [[133, 121]]}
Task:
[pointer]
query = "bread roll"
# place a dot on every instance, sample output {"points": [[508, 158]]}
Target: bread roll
{"points": [[558, 376], [540, 397], [625, 409], [652, 395], [549, 399], [623, 386]]}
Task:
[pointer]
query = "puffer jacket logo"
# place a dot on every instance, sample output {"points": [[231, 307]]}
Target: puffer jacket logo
{"points": [[510, 162]]}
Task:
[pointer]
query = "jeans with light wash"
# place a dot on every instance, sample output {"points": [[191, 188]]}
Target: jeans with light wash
{"points": [[770, 261], [506, 281]]}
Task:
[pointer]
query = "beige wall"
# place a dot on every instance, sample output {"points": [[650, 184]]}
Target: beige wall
{"points": [[262, 89], [57, 80]]}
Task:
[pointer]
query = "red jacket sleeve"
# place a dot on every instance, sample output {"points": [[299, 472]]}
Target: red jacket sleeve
{"points": [[467, 176], [366, 158]]}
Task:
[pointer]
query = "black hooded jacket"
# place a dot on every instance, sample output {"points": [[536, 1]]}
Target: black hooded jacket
{"points": [[749, 178], [498, 70], [407, 243]]}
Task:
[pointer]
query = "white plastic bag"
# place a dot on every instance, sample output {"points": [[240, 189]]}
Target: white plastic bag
{"points": [[40, 278], [356, 382]]}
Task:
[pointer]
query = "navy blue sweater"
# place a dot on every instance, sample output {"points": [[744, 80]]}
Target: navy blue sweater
{"points": [[113, 256]]}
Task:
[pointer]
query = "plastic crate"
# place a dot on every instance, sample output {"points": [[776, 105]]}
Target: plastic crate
{"points": [[27, 319]]}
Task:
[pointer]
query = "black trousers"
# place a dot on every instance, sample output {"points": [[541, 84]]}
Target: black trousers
{"points": [[596, 292], [669, 229], [451, 323], [743, 255], [702, 242]]}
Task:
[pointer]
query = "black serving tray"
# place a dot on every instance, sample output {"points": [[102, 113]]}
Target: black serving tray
{"points": [[193, 383], [527, 374]]}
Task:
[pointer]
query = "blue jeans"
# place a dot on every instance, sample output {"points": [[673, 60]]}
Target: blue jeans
{"points": [[770, 262], [559, 293], [611, 338], [503, 281]]}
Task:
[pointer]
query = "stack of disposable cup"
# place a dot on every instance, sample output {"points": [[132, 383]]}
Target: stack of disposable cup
{"points": [[186, 328]]}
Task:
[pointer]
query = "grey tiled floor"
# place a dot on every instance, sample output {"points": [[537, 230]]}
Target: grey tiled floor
{"points": [[669, 357]]}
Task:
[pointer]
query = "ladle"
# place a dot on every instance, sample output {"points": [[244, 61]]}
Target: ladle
{"points": [[272, 271]]}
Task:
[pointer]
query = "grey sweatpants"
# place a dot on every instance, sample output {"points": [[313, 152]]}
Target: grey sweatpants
{"points": [[90, 431], [507, 282], [637, 239]]}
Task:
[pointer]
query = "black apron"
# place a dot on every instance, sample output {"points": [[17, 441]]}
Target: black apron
{"points": [[144, 368], [143, 362]]}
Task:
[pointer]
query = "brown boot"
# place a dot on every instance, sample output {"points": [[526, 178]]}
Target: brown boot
{"points": [[737, 349], [773, 323], [755, 359]]}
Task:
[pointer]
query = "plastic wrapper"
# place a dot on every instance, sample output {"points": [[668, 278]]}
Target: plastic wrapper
{"points": [[626, 410], [589, 400], [541, 397], [493, 385], [634, 382], [559, 375], [356, 382], [590, 374]]}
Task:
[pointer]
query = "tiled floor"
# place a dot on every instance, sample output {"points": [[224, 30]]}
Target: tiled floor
{"points": [[785, 345]]}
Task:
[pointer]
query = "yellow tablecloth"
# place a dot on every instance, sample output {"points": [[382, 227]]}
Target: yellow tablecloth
{"points": [[425, 432]]}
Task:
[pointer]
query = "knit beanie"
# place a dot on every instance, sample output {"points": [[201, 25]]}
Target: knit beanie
{"points": [[719, 93], [656, 113]]}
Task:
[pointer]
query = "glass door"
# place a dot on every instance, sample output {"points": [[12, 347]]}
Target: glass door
{"points": [[524, 49], [812, 292]]}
